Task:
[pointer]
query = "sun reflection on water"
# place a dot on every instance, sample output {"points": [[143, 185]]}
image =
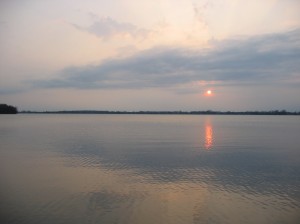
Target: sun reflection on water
{"points": [[208, 136]]}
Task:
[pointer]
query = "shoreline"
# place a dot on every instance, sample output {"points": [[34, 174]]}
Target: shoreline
{"points": [[208, 112]]}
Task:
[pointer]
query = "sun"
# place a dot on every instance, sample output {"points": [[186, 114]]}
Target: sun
{"points": [[209, 92]]}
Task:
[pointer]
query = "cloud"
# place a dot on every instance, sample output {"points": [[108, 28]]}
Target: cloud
{"points": [[9, 91], [267, 59], [107, 27], [199, 11]]}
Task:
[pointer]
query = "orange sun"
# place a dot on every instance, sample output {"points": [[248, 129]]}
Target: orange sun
{"points": [[209, 92]]}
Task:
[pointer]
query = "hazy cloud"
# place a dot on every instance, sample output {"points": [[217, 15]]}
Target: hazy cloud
{"points": [[264, 59], [107, 27], [12, 90], [199, 11]]}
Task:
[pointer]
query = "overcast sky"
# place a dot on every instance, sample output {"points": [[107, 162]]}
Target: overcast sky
{"points": [[150, 55]]}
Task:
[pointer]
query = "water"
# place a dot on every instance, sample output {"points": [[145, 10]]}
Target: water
{"points": [[149, 169]]}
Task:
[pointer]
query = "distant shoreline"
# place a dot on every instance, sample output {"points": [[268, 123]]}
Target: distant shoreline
{"points": [[207, 112]]}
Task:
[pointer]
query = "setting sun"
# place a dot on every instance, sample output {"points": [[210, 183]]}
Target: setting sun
{"points": [[208, 93]]}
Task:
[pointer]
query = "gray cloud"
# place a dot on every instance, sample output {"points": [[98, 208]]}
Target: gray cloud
{"points": [[266, 59], [12, 90], [106, 28]]}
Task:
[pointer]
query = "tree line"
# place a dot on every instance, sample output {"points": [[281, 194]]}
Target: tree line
{"points": [[7, 109], [210, 112]]}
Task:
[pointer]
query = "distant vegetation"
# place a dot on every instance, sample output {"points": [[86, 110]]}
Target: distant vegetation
{"points": [[274, 112], [7, 109]]}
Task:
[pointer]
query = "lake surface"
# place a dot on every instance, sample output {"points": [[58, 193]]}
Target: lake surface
{"points": [[149, 169]]}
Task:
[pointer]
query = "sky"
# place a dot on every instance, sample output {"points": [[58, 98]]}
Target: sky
{"points": [[150, 55]]}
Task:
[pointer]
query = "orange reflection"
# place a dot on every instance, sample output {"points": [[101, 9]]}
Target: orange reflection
{"points": [[208, 136]]}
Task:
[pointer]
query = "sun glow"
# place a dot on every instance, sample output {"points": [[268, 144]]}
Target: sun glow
{"points": [[208, 93]]}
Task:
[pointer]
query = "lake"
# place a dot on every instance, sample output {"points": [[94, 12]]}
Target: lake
{"points": [[149, 169]]}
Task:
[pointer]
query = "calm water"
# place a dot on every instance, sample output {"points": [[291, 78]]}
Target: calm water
{"points": [[149, 169]]}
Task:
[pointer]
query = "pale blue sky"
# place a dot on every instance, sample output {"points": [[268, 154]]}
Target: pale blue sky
{"points": [[150, 55]]}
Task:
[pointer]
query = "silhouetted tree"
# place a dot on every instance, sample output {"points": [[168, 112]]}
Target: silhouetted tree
{"points": [[7, 109]]}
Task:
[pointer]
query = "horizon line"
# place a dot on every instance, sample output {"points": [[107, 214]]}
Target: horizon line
{"points": [[256, 112]]}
